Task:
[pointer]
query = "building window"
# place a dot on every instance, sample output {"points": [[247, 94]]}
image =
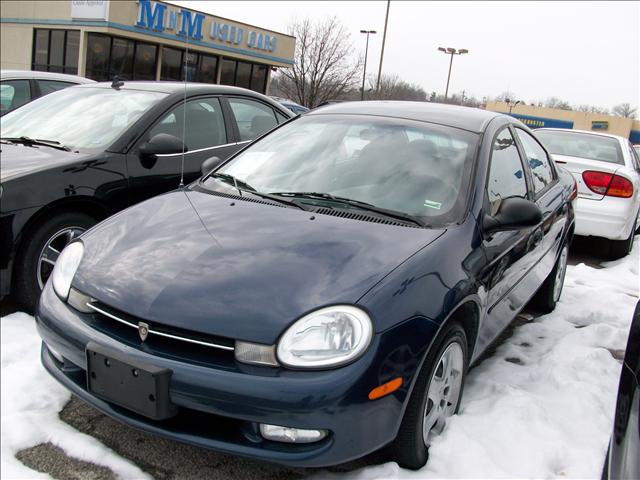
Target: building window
{"points": [[244, 74], [55, 50], [200, 67], [109, 56]]}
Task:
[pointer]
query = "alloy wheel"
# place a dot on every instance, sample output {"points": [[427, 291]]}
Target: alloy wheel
{"points": [[51, 251], [443, 392]]}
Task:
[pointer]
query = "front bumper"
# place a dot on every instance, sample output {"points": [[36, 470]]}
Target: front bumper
{"points": [[221, 408], [612, 218]]}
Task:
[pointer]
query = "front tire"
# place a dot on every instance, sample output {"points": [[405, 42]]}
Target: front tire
{"points": [[43, 245], [435, 397]]}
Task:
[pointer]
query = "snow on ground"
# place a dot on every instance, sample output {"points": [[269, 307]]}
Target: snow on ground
{"points": [[31, 400], [541, 406]]}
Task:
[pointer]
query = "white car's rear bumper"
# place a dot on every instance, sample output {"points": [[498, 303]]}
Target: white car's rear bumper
{"points": [[611, 217]]}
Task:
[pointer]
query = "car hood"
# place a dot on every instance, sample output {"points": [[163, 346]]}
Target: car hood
{"points": [[236, 268], [18, 160]]}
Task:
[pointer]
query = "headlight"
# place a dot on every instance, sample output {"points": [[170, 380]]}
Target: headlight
{"points": [[66, 267], [328, 337]]}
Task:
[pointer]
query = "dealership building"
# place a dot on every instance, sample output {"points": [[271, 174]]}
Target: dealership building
{"points": [[138, 40], [542, 117]]}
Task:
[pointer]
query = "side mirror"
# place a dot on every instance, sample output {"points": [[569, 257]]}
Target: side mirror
{"points": [[209, 164], [515, 213], [162, 144]]}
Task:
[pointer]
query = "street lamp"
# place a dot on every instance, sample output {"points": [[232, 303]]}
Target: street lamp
{"points": [[366, 51], [452, 52], [511, 105]]}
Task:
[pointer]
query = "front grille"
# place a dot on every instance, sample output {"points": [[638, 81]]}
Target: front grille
{"points": [[163, 340]]}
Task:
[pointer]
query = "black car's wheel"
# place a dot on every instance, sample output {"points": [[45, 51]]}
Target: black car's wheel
{"points": [[35, 263], [436, 396], [547, 297]]}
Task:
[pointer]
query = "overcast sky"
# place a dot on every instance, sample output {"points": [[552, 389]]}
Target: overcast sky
{"points": [[581, 52]]}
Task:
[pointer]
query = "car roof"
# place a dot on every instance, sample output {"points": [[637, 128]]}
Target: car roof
{"points": [[466, 118], [173, 87], [572, 130], [30, 74]]}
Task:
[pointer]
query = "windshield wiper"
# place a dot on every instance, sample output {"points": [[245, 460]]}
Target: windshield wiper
{"points": [[354, 203], [243, 186], [36, 141]]}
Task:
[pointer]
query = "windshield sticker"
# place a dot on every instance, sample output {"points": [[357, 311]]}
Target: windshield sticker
{"points": [[432, 204]]}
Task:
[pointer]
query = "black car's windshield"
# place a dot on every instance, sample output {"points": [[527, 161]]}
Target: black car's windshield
{"points": [[414, 168], [79, 117]]}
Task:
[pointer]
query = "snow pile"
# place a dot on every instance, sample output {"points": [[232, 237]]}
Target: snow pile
{"points": [[543, 405], [31, 400]]}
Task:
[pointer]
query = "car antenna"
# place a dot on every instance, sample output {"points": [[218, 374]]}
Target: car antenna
{"points": [[184, 110], [116, 83]]}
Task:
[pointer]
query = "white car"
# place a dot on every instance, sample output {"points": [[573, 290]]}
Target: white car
{"points": [[607, 170], [18, 87]]}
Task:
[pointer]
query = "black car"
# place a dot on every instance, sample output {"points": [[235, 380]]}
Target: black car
{"points": [[322, 293], [78, 155], [623, 457]]}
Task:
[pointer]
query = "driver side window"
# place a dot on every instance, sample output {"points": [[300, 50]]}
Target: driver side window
{"points": [[506, 174], [203, 121]]}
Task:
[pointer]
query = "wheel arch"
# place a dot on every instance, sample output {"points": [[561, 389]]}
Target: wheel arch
{"points": [[87, 205]]}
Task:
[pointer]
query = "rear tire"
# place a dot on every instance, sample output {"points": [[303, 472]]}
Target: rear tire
{"points": [[409, 448], [31, 267], [549, 293], [621, 248]]}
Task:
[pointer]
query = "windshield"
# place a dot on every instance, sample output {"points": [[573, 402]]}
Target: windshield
{"points": [[415, 168], [582, 145], [85, 118]]}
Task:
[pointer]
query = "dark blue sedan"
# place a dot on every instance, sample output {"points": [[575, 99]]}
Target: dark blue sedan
{"points": [[321, 294]]}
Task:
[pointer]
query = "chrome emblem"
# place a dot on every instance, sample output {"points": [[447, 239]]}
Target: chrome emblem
{"points": [[143, 330]]}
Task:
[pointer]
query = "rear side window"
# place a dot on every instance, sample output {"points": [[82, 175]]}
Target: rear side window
{"points": [[541, 169], [14, 93], [50, 86], [582, 145], [506, 176], [253, 118]]}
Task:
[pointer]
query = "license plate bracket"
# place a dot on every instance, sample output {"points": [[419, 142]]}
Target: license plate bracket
{"points": [[129, 383]]}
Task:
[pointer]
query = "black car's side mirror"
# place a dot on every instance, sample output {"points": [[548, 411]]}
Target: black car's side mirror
{"points": [[514, 213], [162, 144], [209, 164]]}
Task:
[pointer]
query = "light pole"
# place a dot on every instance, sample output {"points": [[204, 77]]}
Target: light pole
{"points": [[511, 105], [452, 52], [366, 51], [384, 38]]}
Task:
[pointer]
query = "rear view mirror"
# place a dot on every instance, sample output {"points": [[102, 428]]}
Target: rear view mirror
{"points": [[514, 213], [162, 144], [210, 164]]}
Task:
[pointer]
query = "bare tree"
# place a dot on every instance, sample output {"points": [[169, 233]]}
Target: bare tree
{"points": [[392, 87], [555, 102], [323, 68], [625, 110]]}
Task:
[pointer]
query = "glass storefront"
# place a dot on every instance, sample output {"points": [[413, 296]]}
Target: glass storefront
{"points": [[108, 56], [244, 74], [200, 67], [55, 50]]}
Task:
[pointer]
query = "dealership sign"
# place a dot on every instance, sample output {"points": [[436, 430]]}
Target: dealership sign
{"points": [[159, 17]]}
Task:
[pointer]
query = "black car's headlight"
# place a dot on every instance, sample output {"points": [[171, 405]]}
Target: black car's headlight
{"points": [[329, 337], [65, 268]]}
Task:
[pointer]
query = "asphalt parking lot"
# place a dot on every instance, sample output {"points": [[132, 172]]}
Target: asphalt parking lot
{"points": [[165, 459]]}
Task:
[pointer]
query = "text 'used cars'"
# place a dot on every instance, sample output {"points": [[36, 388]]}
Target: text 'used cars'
{"points": [[321, 294]]}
